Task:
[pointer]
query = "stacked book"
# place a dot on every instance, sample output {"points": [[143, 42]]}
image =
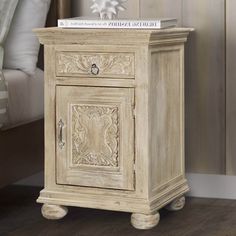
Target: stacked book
{"points": [[81, 22]]}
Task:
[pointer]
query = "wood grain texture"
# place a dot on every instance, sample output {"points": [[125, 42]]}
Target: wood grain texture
{"points": [[49, 116], [205, 86], [141, 221], [98, 136], [103, 130], [166, 116], [84, 64], [54, 212], [230, 88], [176, 205], [121, 37]]}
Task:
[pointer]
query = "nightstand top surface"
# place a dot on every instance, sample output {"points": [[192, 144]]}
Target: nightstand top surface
{"points": [[55, 35]]}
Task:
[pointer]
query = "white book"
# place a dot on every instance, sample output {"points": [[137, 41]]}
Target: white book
{"points": [[82, 22]]}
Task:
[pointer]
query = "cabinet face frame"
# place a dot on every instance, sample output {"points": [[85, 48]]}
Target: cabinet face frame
{"points": [[95, 137], [141, 122]]}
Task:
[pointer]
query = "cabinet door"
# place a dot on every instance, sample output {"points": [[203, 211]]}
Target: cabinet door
{"points": [[95, 132]]}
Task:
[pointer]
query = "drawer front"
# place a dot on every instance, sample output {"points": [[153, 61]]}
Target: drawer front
{"points": [[112, 65]]}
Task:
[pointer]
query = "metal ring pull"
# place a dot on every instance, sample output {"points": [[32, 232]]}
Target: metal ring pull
{"points": [[61, 143], [94, 69]]}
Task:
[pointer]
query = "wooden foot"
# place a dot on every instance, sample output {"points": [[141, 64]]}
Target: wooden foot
{"points": [[53, 212], [176, 205], [142, 221]]}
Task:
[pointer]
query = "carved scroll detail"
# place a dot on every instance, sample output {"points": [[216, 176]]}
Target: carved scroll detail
{"points": [[115, 63], [95, 135]]}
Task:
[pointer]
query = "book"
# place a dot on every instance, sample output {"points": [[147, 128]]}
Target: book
{"points": [[81, 22]]}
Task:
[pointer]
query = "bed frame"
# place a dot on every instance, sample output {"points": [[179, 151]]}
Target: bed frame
{"points": [[22, 148]]}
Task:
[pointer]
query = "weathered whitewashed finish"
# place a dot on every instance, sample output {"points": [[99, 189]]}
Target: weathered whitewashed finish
{"points": [[119, 142], [54, 212], [81, 64], [166, 115], [98, 136], [142, 221], [96, 151], [176, 205]]}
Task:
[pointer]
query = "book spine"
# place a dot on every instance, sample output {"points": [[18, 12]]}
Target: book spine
{"points": [[109, 24]]}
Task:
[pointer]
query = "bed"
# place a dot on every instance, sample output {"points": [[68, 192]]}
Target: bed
{"points": [[21, 139]]}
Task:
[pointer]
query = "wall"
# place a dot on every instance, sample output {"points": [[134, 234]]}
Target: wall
{"points": [[82, 8], [205, 86], [210, 76]]}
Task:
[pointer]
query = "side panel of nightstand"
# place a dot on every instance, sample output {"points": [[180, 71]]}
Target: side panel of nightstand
{"points": [[166, 124]]}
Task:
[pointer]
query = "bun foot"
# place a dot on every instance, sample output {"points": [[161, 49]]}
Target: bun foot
{"points": [[142, 221], [177, 204], [54, 212]]}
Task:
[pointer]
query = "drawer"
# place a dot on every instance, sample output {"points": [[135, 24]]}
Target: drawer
{"points": [[89, 64]]}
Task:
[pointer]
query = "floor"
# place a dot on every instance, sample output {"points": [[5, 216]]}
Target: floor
{"points": [[20, 216]]}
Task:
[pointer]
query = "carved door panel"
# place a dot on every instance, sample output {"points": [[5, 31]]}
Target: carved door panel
{"points": [[95, 133]]}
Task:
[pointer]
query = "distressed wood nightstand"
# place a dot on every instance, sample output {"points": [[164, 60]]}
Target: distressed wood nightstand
{"points": [[114, 121]]}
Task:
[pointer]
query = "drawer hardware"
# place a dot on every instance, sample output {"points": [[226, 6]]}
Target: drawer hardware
{"points": [[61, 143], [94, 69], [110, 64]]}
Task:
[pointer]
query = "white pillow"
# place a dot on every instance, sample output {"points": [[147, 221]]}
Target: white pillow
{"points": [[22, 46]]}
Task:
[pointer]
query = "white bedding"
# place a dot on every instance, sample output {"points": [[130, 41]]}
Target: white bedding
{"points": [[25, 96]]}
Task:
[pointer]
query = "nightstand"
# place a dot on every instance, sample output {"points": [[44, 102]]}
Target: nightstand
{"points": [[114, 121]]}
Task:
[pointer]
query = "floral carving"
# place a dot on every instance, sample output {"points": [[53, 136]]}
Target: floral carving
{"points": [[75, 63], [95, 135]]}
